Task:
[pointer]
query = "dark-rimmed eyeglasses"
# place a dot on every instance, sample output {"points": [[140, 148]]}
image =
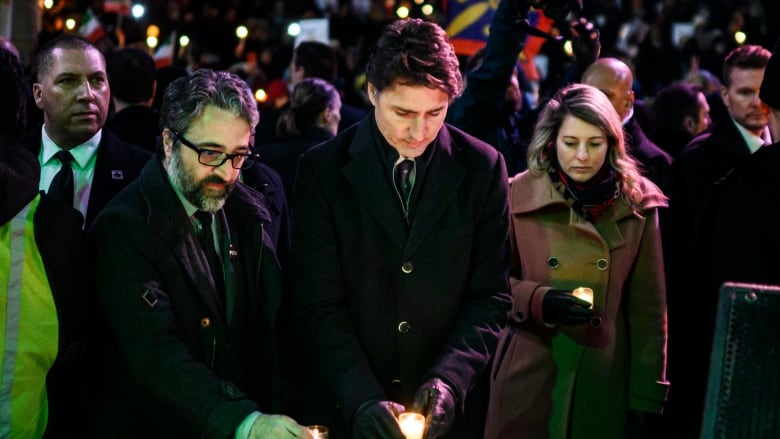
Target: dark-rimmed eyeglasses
{"points": [[214, 158]]}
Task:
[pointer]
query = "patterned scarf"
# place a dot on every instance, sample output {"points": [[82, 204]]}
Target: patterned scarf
{"points": [[592, 198]]}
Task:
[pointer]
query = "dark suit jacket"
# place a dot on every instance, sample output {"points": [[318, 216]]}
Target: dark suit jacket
{"points": [[706, 160], [656, 163], [118, 163], [136, 124], [283, 156], [384, 307], [175, 366]]}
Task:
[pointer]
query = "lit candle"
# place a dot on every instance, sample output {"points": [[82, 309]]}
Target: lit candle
{"points": [[584, 293], [318, 431], [412, 425]]}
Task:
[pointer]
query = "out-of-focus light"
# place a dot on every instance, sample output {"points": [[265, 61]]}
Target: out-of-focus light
{"points": [[242, 32], [427, 9], [153, 31], [184, 41], [294, 29], [70, 24], [567, 48], [261, 95], [740, 37], [151, 41], [419, 2], [48, 4], [402, 12], [138, 11]]}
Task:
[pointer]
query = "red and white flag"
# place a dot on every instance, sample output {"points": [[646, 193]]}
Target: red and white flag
{"points": [[163, 56], [90, 27], [120, 7]]}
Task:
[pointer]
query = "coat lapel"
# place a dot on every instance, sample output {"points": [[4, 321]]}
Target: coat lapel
{"points": [[442, 180], [110, 177], [167, 216], [371, 185]]}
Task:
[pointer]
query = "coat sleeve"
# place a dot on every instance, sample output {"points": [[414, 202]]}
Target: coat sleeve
{"points": [[138, 310], [646, 302]]}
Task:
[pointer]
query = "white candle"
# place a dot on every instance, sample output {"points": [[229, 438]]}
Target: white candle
{"points": [[412, 425], [584, 293], [318, 431]]}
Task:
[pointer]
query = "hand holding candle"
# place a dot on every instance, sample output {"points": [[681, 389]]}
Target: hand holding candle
{"points": [[585, 294], [412, 425]]}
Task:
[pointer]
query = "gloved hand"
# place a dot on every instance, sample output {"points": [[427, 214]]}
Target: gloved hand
{"points": [[562, 307], [641, 425], [586, 44], [277, 427], [436, 401], [377, 420]]}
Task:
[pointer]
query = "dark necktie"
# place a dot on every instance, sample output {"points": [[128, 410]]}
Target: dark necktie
{"points": [[402, 179], [207, 243], [62, 186]]}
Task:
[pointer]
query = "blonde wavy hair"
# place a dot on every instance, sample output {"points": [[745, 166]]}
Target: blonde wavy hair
{"points": [[592, 106]]}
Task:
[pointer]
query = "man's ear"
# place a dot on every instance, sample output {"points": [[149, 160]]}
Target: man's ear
{"points": [[167, 144], [37, 95], [372, 92], [689, 125]]}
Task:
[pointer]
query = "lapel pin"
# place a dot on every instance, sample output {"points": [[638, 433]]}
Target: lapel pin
{"points": [[116, 174]]}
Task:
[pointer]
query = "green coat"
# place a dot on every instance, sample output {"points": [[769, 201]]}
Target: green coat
{"points": [[579, 381]]}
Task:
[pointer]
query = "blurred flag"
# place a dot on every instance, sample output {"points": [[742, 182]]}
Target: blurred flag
{"points": [[90, 27], [120, 7], [468, 23], [537, 19], [163, 56]]}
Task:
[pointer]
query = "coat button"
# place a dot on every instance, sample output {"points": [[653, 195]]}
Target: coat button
{"points": [[404, 327], [552, 261], [205, 322], [602, 263], [519, 315], [407, 267], [596, 322]]}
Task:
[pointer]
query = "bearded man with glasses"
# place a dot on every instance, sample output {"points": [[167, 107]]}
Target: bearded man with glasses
{"points": [[189, 280]]}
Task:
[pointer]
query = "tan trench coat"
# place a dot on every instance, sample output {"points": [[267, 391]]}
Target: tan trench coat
{"points": [[579, 381]]}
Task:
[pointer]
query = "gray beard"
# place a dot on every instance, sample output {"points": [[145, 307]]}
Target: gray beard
{"points": [[195, 191]]}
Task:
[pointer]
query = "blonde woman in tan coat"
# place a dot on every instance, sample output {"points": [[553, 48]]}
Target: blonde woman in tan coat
{"points": [[582, 216]]}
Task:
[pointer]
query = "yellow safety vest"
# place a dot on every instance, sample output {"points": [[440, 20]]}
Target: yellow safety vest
{"points": [[29, 329]]}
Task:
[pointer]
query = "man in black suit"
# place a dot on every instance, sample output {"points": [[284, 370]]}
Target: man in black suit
{"points": [[400, 252], [73, 91], [192, 287], [703, 162]]}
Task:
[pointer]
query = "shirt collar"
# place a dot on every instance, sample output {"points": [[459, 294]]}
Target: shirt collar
{"points": [[753, 141], [82, 154]]}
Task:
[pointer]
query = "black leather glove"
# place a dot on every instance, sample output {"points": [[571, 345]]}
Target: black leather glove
{"points": [[436, 401], [377, 420], [562, 307]]}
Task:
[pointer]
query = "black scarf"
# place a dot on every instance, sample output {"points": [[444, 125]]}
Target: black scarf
{"points": [[592, 198]]}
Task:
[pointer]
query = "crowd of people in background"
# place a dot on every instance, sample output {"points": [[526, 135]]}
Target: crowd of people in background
{"points": [[396, 227]]}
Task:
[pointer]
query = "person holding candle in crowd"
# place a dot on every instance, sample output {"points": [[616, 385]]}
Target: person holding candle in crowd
{"points": [[400, 253], [581, 216]]}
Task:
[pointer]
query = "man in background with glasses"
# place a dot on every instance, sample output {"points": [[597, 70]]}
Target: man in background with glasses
{"points": [[189, 282]]}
